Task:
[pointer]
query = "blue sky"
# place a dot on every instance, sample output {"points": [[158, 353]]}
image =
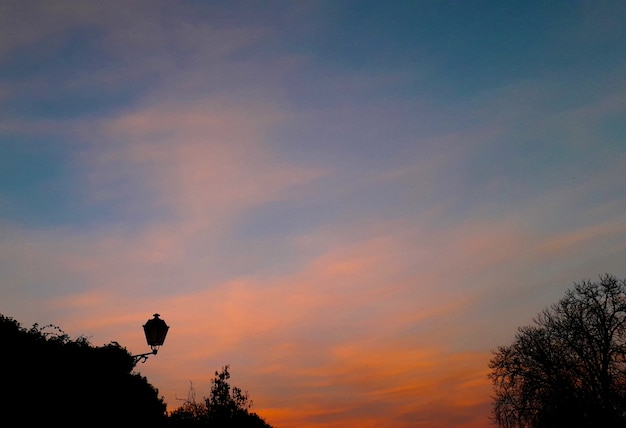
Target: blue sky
{"points": [[351, 203]]}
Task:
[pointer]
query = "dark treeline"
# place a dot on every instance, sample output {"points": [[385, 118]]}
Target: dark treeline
{"points": [[568, 368], [49, 378]]}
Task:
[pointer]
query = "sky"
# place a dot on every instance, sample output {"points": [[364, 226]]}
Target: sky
{"points": [[351, 203]]}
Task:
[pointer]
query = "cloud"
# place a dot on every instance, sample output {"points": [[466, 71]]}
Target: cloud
{"points": [[340, 326], [200, 165], [204, 156]]}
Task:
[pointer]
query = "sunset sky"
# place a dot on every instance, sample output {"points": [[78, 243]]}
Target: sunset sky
{"points": [[352, 203]]}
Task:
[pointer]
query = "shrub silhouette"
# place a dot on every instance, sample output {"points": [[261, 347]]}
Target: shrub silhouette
{"points": [[49, 378], [226, 407]]}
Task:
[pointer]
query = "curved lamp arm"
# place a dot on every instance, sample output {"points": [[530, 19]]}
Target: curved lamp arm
{"points": [[143, 357]]}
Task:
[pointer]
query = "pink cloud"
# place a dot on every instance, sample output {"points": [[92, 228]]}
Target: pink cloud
{"points": [[205, 160], [286, 319]]}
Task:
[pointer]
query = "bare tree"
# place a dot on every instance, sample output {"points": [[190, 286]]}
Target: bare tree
{"points": [[569, 367]]}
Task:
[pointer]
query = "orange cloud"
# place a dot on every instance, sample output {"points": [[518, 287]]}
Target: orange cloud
{"points": [[305, 333]]}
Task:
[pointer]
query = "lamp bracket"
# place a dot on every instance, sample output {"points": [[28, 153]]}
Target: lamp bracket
{"points": [[143, 357]]}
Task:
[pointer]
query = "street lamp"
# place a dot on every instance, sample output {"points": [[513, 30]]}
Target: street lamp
{"points": [[155, 330]]}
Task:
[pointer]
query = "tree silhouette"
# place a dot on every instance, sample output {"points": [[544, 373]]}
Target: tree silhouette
{"points": [[225, 407], [569, 368], [50, 379]]}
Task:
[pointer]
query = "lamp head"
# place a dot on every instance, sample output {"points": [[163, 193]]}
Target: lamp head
{"points": [[155, 330]]}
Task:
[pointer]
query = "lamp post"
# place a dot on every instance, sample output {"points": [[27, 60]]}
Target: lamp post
{"points": [[155, 330]]}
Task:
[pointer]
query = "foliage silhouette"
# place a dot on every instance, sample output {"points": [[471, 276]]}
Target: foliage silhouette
{"points": [[50, 379], [569, 368], [226, 407]]}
